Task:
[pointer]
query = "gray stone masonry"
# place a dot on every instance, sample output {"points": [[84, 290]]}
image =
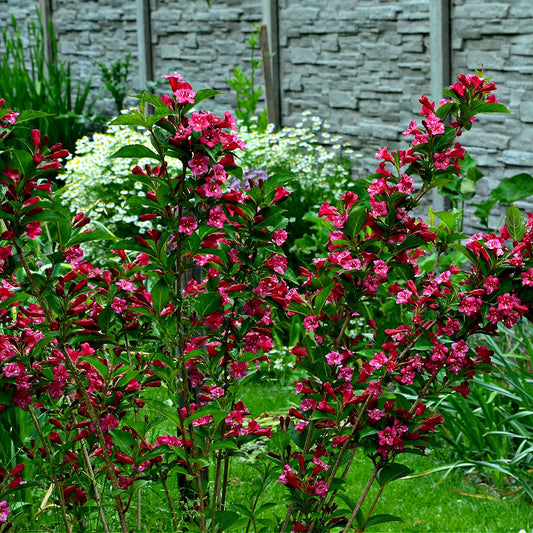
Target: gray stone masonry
{"points": [[359, 65], [499, 38]]}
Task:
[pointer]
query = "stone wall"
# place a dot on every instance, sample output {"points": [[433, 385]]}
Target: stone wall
{"points": [[498, 35], [204, 43], [88, 31], [361, 66]]}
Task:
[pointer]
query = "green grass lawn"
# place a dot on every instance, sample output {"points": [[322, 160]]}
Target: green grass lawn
{"points": [[435, 502], [447, 504]]}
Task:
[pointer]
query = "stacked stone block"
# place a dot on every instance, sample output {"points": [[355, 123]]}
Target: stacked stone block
{"points": [[499, 39], [360, 67], [204, 43]]}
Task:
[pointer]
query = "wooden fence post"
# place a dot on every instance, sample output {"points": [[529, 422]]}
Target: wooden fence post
{"points": [[144, 43], [271, 101], [268, 38], [440, 65], [45, 9]]}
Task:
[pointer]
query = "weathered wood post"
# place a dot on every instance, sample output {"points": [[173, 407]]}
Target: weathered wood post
{"points": [[268, 38], [45, 9], [144, 42], [440, 65]]}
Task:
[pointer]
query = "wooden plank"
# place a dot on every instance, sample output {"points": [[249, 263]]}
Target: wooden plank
{"points": [[440, 61], [439, 46]]}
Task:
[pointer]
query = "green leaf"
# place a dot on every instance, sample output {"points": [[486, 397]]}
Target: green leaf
{"points": [[360, 519], [97, 365], [128, 375], [265, 507], [467, 187], [133, 245], [160, 296], [136, 151], [177, 153], [512, 189], [280, 441], [469, 168], [31, 115], [157, 116], [411, 242], [368, 431], [217, 414], [104, 318], [234, 171], [86, 236], [27, 485], [129, 119], [152, 99], [163, 409], [207, 303], [224, 445], [454, 237], [442, 232], [18, 159], [124, 440], [483, 107], [242, 509], [443, 110], [321, 298], [382, 519], [439, 181], [449, 218], [201, 95], [160, 136], [392, 472], [227, 520], [515, 223], [55, 215], [355, 222], [483, 210], [262, 121]]}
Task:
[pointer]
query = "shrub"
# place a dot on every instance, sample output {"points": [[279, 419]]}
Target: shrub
{"points": [[246, 93], [132, 372], [101, 187]]}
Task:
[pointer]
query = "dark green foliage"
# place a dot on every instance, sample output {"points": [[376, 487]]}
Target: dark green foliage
{"points": [[31, 80]]}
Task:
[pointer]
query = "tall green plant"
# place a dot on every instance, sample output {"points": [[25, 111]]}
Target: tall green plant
{"points": [[491, 429], [115, 77], [31, 80], [248, 94]]}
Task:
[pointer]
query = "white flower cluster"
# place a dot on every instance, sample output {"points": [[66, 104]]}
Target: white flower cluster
{"points": [[99, 185], [319, 160], [281, 359]]}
